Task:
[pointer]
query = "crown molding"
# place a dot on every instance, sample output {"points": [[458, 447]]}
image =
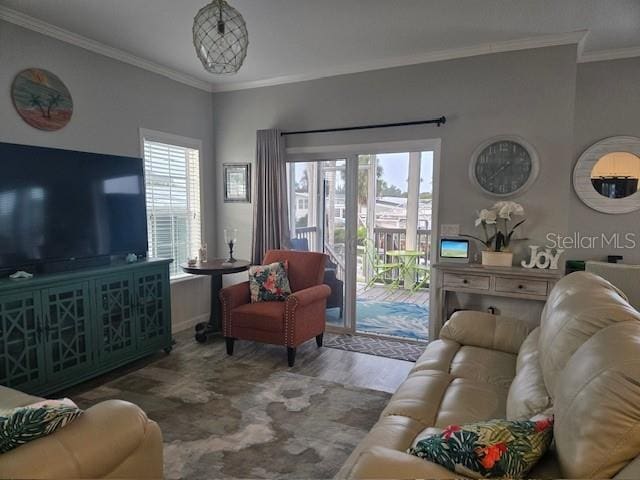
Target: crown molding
{"points": [[577, 37], [40, 26], [570, 38], [613, 54]]}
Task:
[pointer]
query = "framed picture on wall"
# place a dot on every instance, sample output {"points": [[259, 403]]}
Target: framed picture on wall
{"points": [[237, 182]]}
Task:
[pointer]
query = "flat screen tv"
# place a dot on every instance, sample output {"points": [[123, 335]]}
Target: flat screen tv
{"points": [[60, 205]]}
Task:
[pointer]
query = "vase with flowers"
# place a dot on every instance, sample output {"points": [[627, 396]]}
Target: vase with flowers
{"points": [[497, 232]]}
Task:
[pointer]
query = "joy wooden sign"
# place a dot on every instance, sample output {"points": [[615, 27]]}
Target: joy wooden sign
{"points": [[543, 259]]}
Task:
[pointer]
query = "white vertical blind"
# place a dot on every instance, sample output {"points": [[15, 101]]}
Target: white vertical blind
{"points": [[172, 176]]}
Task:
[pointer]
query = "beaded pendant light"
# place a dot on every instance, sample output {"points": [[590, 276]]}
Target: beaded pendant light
{"points": [[220, 37]]}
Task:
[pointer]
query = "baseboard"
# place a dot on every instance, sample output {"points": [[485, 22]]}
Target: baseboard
{"points": [[189, 323]]}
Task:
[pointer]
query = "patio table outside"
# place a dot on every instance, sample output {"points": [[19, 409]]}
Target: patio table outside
{"points": [[407, 265]]}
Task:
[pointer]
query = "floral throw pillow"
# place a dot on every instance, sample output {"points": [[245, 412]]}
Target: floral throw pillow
{"points": [[495, 448], [24, 424], [269, 283]]}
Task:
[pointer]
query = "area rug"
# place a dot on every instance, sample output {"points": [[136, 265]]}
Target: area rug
{"points": [[375, 346], [222, 417], [394, 319]]}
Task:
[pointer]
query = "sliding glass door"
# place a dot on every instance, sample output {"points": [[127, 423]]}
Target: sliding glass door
{"points": [[394, 237], [318, 222], [371, 214]]}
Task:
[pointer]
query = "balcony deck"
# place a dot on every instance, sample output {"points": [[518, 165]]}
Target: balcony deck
{"points": [[398, 313], [380, 309], [381, 293]]}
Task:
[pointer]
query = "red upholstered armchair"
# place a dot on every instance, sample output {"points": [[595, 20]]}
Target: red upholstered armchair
{"points": [[290, 323]]}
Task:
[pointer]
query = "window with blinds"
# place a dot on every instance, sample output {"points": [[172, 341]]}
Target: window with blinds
{"points": [[172, 176]]}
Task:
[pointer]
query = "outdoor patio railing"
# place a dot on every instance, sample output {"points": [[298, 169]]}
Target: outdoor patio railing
{"points": [[309, 233], [396, 239], [385, 239]]}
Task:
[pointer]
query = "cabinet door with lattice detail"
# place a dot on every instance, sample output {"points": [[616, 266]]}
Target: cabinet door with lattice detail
{"points": [[67, 320], [116, 318], [154, 308], [21, 342]]}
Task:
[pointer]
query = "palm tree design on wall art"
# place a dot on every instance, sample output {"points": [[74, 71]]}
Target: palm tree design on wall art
{"points": [[41, 99]]}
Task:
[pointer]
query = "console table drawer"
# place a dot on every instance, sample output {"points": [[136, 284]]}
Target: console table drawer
{"points": [[522, 285], [460, 280]]}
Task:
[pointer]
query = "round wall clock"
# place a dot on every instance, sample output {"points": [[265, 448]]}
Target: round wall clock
{"points": [[504, 166], [41, 99]]}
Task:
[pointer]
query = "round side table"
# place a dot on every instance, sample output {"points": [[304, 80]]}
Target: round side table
{"points": [[215, 268]]}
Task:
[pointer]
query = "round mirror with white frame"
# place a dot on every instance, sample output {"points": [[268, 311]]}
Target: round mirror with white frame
{"points": [[607, 174]]}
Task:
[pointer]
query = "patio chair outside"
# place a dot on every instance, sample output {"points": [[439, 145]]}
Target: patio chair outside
{"points": [[378, 267]]}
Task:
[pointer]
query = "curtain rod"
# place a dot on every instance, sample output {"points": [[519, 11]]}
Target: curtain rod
{"points": [[438, 121]]}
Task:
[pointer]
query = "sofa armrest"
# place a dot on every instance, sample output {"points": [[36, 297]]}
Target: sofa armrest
{"points": [[485, 330], [103, 440], [384, 463], [235, 295], [305, 297]]}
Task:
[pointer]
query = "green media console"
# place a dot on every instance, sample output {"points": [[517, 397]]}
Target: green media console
{"points": [[57, 330]]}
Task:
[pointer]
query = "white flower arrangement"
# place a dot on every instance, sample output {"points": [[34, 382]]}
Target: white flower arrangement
{"points": [[506, 209], [489, 217], [498, 217]]}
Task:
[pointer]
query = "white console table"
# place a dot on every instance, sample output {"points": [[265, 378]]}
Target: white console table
{"points": [[521, 286]]}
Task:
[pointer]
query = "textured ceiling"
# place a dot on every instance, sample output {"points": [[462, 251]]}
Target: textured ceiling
{"points": [[291, 38]]}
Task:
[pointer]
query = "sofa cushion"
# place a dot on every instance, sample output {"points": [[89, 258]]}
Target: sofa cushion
{"points": [[113, 439], [475, 363], [385, 463], [495, 448], [580, 305], [10, 398], [528, 395], [468, 401], [480, 329], [393, 432], [437, 356], [30, 422], [266, 316], [597, 404], [419, 396], [484, 365], [438, 399]]}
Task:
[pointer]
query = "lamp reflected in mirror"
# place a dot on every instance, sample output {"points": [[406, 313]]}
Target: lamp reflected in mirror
{"points": [[616, 174]]}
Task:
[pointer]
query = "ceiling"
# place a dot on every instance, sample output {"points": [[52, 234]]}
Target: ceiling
{"points": [[293, 40]]}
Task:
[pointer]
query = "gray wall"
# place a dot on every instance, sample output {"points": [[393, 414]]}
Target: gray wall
{"points": [[539, 94], [607, 104], [529, 93], [112, 100]]}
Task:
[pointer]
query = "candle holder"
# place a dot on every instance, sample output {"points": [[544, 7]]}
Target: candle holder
{"points": [[230, 238]]}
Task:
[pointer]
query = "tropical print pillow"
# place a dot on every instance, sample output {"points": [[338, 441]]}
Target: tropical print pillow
{"points": [[24, 424], [495, 448], [269, 283]]}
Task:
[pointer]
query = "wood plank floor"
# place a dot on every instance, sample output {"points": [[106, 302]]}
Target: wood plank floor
{"points": [[348, 368], [383, 293]]}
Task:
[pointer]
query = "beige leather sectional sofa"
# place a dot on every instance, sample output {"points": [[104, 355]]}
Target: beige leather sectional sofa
{"points": [[583, 361], [113, 439]]}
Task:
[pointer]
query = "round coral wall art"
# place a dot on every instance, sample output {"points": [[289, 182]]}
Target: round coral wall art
{"points": [[41, 99]]}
